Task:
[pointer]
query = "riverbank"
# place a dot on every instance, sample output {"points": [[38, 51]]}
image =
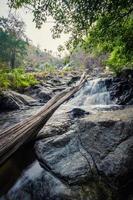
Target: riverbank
{"points": [[85, 149]]}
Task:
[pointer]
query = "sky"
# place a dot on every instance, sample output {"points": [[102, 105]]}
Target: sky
{"points": [[41, 37]]}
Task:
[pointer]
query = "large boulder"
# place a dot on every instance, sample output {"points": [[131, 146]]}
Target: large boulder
{"points": [[44, 91], [10, 100], [89, 157], [44, 95], [121, 88], [100, 143], [41, 92]]}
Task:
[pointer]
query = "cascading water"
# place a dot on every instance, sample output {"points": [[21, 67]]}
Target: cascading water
{"points": [[93, 95]]}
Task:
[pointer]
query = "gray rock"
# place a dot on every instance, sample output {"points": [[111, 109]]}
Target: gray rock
{"points": [[44, 95], [40, 92], [91, 148], [86, 158], [78, 112], [73, 80], [10, 100], [121, 88]]}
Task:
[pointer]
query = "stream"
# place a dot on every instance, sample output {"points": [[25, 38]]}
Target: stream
{"points": [[93, 97]]}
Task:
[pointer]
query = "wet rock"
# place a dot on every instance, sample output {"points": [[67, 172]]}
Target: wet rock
{"points": [[26, 100], [10, 118], [78, 112], [126, 73], [8, 103], [44, 96], [41, 92], [11, 100], [57, 81], [121, 89], [81, 156], [57, 125], [73, 80], [58, 89], [82, 159], [108, 82], [90, 149], [90, 159], [46, 89], [118, 165], [77, 154]]}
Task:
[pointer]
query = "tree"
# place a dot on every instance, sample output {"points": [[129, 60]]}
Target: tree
{"points": [[13, 41], [116, 41], [95, 23], [75, 16]]}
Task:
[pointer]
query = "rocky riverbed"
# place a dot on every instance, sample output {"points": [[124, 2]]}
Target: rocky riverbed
{"points": [[84, 152]]}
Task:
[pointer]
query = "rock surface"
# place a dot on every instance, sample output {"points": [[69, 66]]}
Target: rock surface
{"points": [[86, 158], [10, 100], [40, 93], [121, 88], [82, 154], [47, 88]]}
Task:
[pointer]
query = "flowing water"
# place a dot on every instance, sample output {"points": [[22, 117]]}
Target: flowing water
{"points": [[93, 96], [94, 93]]}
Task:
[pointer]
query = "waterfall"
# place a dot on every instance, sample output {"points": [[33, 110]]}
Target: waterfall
{"points": [[93, 95]]}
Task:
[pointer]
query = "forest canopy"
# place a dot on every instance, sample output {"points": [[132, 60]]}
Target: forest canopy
{"points": [[98, 26], [13, 41], [75, 15]]}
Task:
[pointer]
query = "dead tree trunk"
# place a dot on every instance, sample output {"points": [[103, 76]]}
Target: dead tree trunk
{"points": [[12, 138]]}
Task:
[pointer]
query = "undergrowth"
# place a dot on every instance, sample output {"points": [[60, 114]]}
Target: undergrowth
{"points": [[15, 79]]}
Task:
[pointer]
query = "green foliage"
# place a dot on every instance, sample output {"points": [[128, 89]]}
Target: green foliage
{"points": [[116, 40], [15, 79], [12, 43], [75, 16], [117, 59], [108, 25], [4, 82]]}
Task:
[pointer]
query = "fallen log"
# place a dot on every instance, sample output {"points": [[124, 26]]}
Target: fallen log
{"points": [[12, 138]]}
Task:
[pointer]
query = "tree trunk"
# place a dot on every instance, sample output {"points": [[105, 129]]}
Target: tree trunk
{"points": [[13, 58], [12, 138]]}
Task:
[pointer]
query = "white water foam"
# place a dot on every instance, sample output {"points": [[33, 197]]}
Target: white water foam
{"points": [[93, 95]]}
